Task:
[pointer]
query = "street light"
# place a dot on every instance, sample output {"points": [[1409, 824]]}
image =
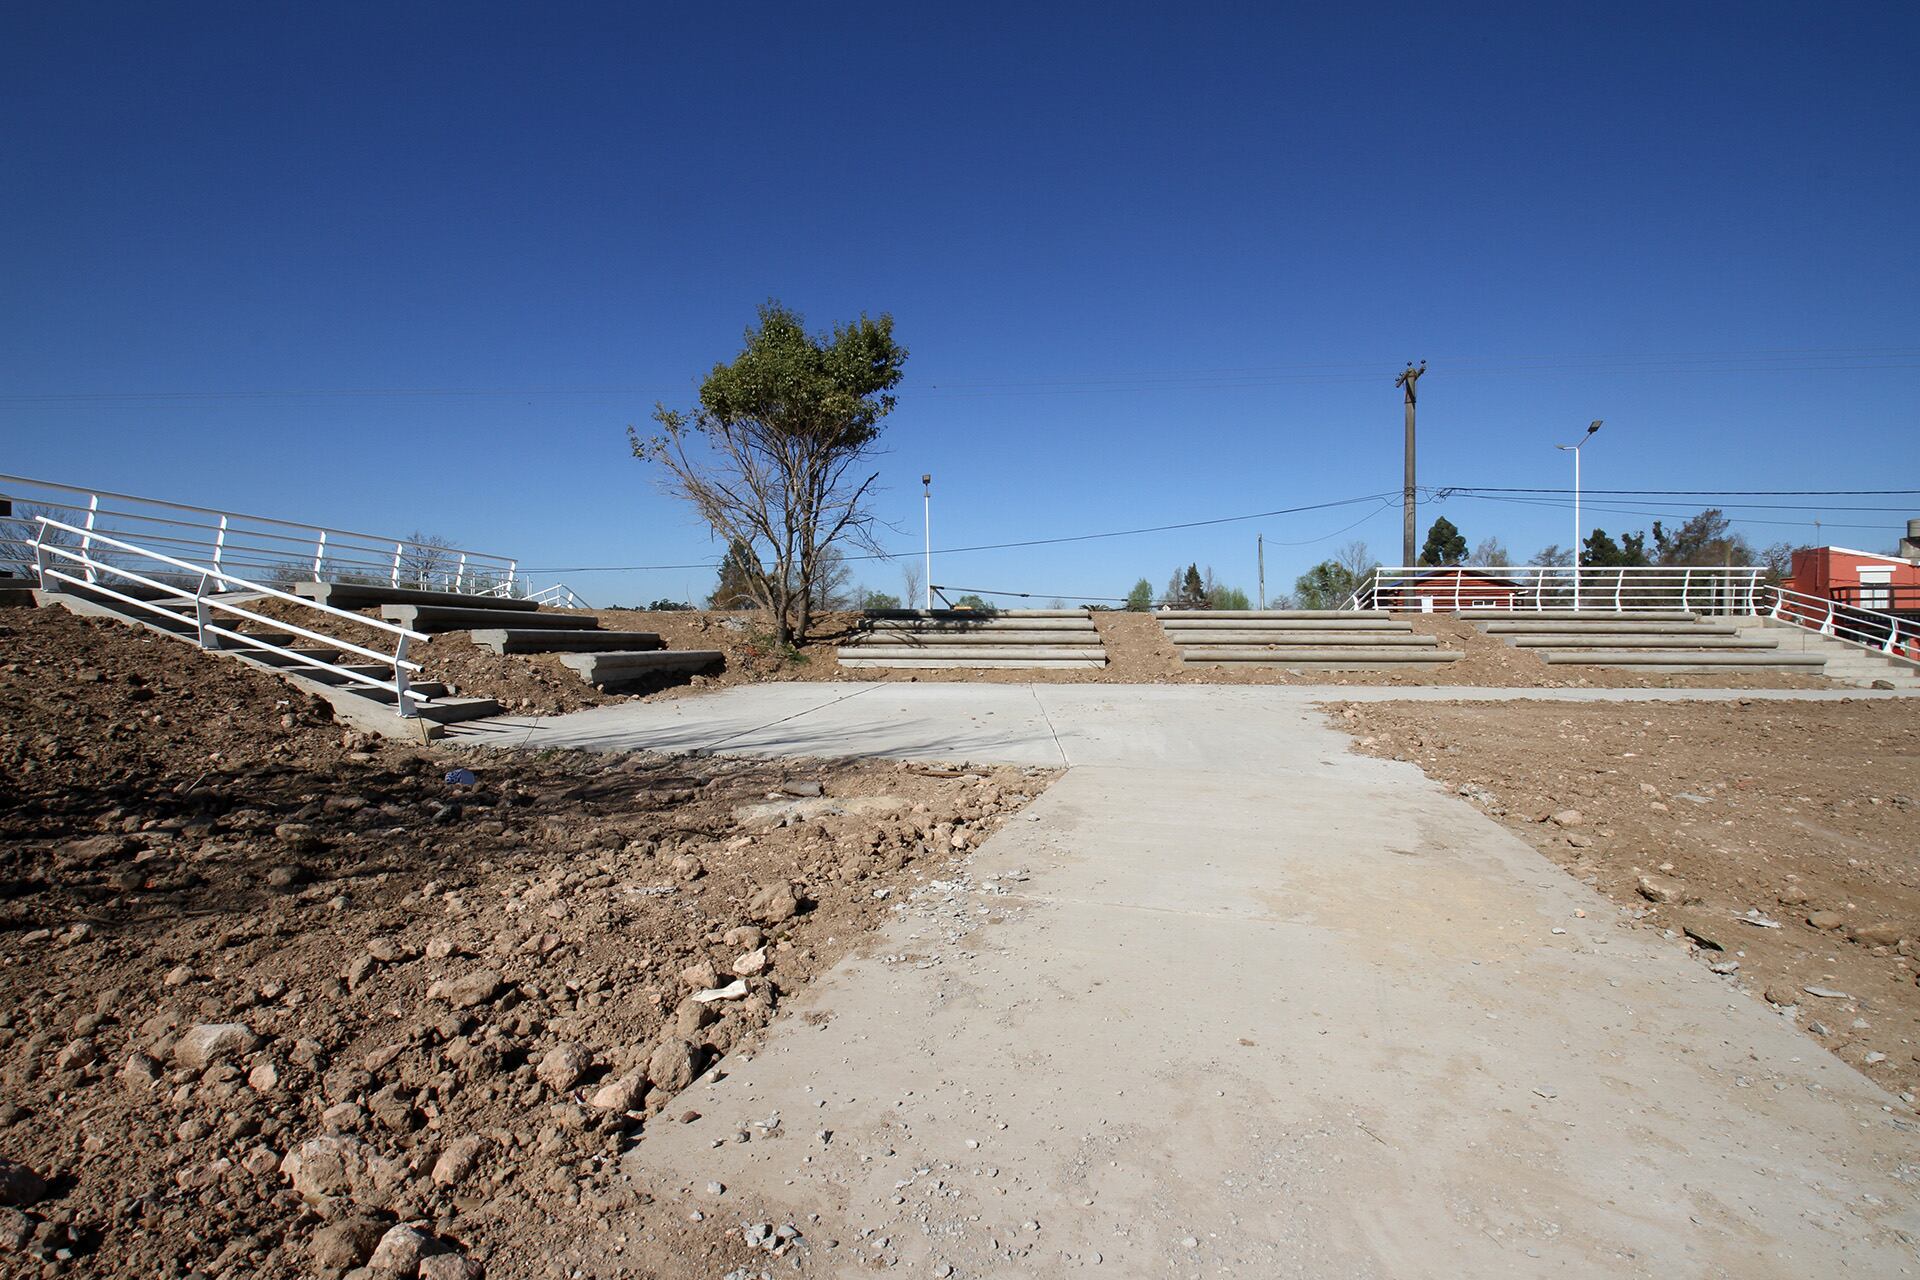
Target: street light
{"points": [[1574, 449], [927, 510]]}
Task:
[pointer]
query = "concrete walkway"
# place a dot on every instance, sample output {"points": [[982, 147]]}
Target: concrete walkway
{"points": [[1231, 1000]]}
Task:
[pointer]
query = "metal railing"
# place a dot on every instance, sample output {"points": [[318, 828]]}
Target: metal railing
{"points": [[1732, 589], [57, 544], [1884, 597], [237, 547], [559, 595], [1884, 633]]}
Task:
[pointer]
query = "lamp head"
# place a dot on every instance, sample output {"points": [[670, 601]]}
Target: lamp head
{"points": [[928, 478], [1594, 427]]}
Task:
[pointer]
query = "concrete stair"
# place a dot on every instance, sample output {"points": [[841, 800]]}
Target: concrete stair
{"points": [[911, 639], [1848, 664], [356, 595], [1649, 640], [1301, 639]]}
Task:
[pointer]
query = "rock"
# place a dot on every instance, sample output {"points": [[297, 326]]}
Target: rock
{"points": [[1826, 919], [328, 1168], [140, 1073], [346, 1244], [1782, 994], [563, 1067], [458, 1161], [288, 877], [76, 1055], [1569, 818], [1658, 889], [401, 1250], [746, 937], [470, 990], [803, 788], [750, 964], [774, 903], [394, 1109], [700, 976], [670, 1067], [212, 1042], [264, 1078], [686, 867], [20, 1185], [624, 1093], [1883, 933], [297, 835], [389, 950], [690, 1016], [451, 1266], [260, 1160], [16, 1231]]}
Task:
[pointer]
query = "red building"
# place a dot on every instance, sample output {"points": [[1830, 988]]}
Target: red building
{"points": [[1449, 589], [1863, 579]]}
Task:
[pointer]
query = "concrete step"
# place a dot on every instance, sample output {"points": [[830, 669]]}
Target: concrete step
{"points": [[958, 655], [1627, 615], [1343, 622], [1686, 659], [1276, 615], [355, 595], [967, 639], [1319, 639], [552, 640], [1604, 626], [433, 618], [612, 669], [1081, 625], [1636, 640], [962, 615], [1354, 656], [971, 662], [455, 710]]}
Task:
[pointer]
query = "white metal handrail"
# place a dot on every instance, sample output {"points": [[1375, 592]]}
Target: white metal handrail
{"points": [[252, 546], [1713, 589], [1885, 633], [205, 598], [559, 595]]}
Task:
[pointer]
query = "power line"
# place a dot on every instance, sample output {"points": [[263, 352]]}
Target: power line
{"points": [[1668, 515], [1003, 546], [1702, 493]]}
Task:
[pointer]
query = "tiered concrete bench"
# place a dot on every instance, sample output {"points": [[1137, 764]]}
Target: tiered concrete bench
{"points": [[958, 638], [1653, 641], [438, 617], [606, 659], [357, 595], [1302, 639]]}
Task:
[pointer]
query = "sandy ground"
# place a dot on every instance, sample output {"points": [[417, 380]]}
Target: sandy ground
{"points": [[273, 993], [1697, 816]]}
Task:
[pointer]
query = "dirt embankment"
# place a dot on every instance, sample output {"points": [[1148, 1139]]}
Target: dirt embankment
{"points": [[1779, 841], [276, 996]]}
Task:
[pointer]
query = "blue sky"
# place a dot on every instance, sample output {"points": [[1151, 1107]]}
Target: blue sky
{"points": [[397, 267]]}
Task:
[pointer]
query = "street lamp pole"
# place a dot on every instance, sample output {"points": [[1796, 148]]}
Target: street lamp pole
{"points": [[1574, 449], [926, 481]]}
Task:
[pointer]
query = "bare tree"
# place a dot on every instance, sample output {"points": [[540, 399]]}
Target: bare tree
{"points": [[425, 559], [912, 574], [773, 456]]}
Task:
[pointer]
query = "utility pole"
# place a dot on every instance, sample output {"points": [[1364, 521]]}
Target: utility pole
{"points": [[1260, 553], [926, 482], [1406, 379]]}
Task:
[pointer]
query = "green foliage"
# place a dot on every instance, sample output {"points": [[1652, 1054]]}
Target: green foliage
{"points": [[768, 458], [877, 600], [1444, 544], [1706, 539], [1553, 556], [738, 570], [1140, 599], [975, 603], [1327, 585], [669, 606], [1601, 551], [1227, 598]]}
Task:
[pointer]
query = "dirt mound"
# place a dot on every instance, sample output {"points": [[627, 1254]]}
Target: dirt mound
{"points": [[280, 996], [1716, 822]]}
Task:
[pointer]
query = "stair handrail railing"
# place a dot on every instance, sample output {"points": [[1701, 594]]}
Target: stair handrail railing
{"points": [[252, 545], [209, 584], [1889, 634], [1705, 589]]}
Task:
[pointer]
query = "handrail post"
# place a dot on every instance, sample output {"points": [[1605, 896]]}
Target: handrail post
{"points": [[86, 539], [460, 573], [1893, 635], [219, 547], [396, 564], [1686, 591], [401, 702], [1826, 627], [319, 555], [1620, 591], [43, 559], [203, 616], [513, 568]]}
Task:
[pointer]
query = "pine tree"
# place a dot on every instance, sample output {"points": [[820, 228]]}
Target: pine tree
{"points": [[735, 588], [1445, 544]]}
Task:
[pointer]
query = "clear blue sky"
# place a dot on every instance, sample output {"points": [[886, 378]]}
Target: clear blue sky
{"points": [[399, 266]]}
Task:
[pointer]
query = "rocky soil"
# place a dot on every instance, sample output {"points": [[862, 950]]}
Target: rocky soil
{"points": [[1779, 842], [278, 999]]}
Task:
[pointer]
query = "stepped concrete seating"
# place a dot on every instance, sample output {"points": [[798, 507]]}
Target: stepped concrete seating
{"points": [[912, 639], [605, 659], [300, 664], [357, 595], [1649, 640], [1849, 664], [1301, 639]]}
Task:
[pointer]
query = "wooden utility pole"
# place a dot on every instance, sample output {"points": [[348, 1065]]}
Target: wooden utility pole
{"points": [[1406, 379]]}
